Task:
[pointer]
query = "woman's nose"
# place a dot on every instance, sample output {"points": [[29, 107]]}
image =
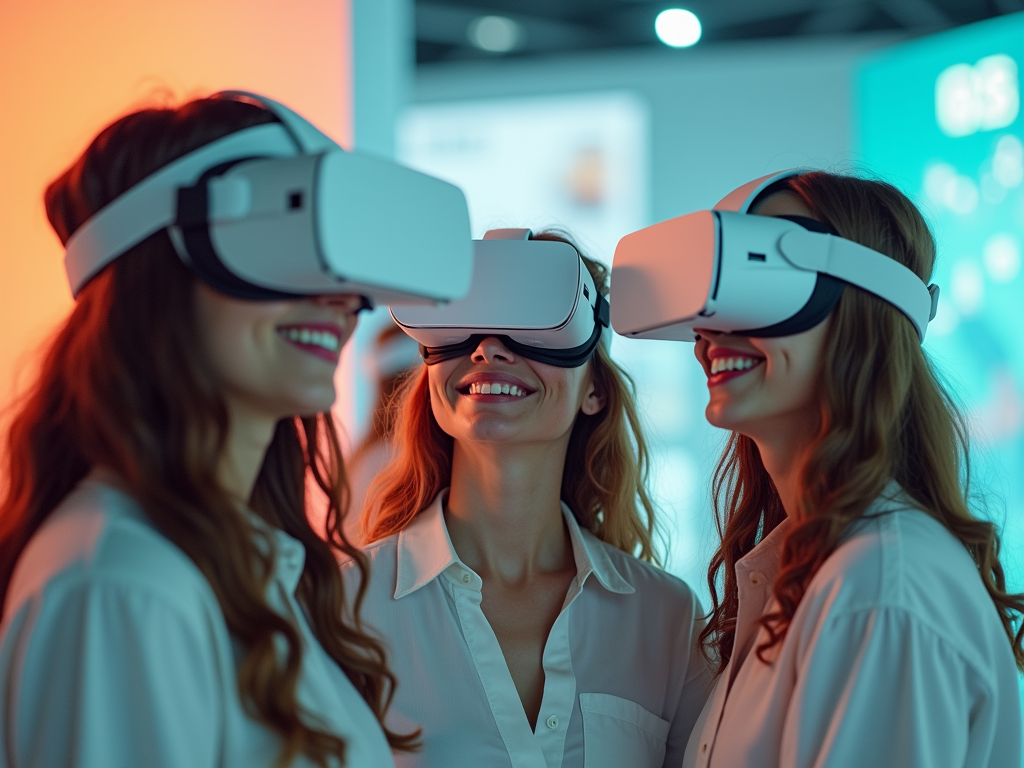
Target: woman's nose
{"points": [[489, 349]]}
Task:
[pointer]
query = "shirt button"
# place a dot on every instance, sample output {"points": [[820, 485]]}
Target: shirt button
{"points": [[465, 578], [552, 722], [757, 578], [704, 747]]}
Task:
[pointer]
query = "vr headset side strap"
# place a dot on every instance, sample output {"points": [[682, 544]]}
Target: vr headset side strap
{"points": [[151, 204], [306, 136], [740, 199], [865, 268]]}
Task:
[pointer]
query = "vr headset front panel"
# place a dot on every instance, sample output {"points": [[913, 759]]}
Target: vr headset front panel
{"points": [[664, 275], [380, 223], [292, 214], [536, 292]]}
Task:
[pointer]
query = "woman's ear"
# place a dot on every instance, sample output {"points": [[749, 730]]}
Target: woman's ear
{"points": [[594, 401]]}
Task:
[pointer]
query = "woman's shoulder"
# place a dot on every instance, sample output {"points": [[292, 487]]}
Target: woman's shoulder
{"points": [[895, 551], [900, 563], [650, 581], [99, 537]]}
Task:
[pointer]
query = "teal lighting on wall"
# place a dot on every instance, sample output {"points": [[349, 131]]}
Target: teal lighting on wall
{"points": [[941, 118]]}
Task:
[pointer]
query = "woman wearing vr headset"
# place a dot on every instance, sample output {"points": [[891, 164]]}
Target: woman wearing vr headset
{"points": [[860, 613], [525, 617], [166, 602]]}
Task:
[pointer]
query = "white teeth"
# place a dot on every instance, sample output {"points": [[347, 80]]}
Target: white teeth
{"points": [[720, 364], [325, 339], [488, 388]]}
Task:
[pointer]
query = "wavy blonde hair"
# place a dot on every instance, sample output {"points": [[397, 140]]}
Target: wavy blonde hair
{"points": [[606, 465]]}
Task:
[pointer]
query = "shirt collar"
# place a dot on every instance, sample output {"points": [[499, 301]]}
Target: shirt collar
{"points": [[592, 557], [425, 551], [765, 556]]}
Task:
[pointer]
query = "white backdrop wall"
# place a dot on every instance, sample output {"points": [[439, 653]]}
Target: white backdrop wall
{"points": [[719, 115]]}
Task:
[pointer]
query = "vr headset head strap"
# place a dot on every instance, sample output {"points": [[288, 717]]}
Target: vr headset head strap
{"points": [[864, 268], [829, 254], [308, 138], [152, 204], [741, 198]]}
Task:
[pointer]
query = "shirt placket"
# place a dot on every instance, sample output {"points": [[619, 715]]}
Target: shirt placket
{"points": [[523, 750], [559, 685], [752, 589]]}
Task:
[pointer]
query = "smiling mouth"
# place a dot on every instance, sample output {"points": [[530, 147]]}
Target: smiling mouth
{"points": [[482, 390], [323, 341], [725, 369], [494, 389]]}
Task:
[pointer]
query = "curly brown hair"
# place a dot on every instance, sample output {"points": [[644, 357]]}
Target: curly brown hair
{"points": [[123, 386], [883, 415]]}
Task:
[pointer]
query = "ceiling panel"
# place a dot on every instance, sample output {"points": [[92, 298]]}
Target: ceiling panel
{"points": [[448, 30]]}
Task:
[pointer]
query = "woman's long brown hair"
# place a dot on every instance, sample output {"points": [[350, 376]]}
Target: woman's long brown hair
{"points": [[604, 481], [883, 415], [123, 386]]}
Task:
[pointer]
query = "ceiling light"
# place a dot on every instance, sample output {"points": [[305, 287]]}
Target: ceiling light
{"points": [[677, 27], [496, 34]]}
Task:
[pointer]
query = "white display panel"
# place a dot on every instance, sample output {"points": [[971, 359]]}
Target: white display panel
{"points": [[575, 162]]}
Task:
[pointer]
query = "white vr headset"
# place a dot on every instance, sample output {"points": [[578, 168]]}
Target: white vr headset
{"points": [[732, 272], [536, 295], [280, 210]]}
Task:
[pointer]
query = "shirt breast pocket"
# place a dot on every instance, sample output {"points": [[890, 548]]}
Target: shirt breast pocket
{"points": [[619, 733]]}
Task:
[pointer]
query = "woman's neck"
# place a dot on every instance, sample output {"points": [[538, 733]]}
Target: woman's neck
{"points": [[249, 436], [504, 513], [783, 450]]}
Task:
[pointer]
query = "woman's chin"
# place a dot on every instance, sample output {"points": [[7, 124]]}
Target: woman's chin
{"points": [[723, 416], [312, 401], [489, 433]]}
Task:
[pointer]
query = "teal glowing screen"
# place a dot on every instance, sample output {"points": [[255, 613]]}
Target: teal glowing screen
{"points": [[940, 117]]}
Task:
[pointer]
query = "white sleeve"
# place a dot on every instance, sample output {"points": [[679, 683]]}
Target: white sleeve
{"points": [[879, 688], [697, 686], [105, 675]]}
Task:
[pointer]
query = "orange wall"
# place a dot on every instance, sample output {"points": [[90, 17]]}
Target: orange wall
{"points": [[68, 67]]}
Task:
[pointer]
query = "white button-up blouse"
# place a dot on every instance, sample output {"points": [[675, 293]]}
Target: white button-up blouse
{"points": [[114, 652], [624, 680], [895, 657]]}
